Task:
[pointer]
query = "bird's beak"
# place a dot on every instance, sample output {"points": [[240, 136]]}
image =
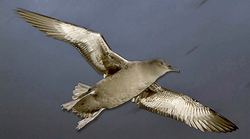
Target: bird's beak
{"points": [[174, 69]]}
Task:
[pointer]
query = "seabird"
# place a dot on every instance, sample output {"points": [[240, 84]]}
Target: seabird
{"points": [[151, 96]]}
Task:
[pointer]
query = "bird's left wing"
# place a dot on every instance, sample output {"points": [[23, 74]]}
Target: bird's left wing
{"points": [[183, 108], [90, 44]]}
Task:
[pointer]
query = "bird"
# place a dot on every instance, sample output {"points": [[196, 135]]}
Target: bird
{"points": [[118, 88], [154, 98]]}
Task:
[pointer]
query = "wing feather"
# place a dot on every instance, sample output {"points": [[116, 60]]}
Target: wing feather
{"points": [[90, 44], [183, 108]]}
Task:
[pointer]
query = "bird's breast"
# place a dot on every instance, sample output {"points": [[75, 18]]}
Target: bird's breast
{"points": [[121, 87]]}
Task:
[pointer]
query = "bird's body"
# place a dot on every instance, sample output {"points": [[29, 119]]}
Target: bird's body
{"points": [[118, 88], [124, 80], [122, 86]]}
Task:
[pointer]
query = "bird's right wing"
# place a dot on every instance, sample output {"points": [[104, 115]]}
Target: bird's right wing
{"points": [[183, 108], [90, 44]]}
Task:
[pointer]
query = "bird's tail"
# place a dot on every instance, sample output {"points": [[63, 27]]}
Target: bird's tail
{"points": [[80, 91]]}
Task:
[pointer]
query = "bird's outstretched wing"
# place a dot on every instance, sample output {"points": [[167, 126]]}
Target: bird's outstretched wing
{"points": [[183, 108], [90, 44]]}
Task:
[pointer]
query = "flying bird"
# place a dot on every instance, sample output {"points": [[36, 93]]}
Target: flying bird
{"points": [[116, 89], [118, 85]]}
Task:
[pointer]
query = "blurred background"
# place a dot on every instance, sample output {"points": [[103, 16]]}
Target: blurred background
{"points": [[208, 40]]}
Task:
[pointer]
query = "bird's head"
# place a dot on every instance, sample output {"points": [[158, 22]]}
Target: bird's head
{"points": [[161, 67]]}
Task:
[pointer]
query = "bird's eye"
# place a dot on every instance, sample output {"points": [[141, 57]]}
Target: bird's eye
{"points": [[162, 63]]}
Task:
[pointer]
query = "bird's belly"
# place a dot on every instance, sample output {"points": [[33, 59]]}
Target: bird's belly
{"points": [[118, 89]]}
